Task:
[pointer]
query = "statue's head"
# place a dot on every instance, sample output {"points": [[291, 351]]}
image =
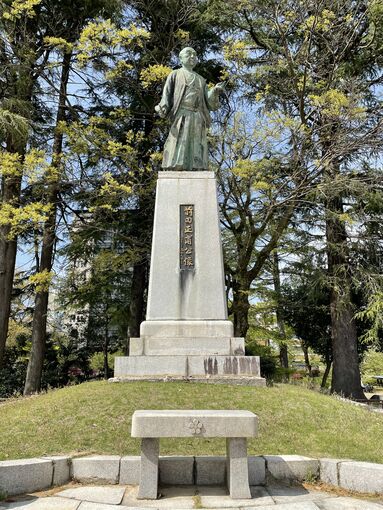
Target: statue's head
{"points": [[188, 57]]}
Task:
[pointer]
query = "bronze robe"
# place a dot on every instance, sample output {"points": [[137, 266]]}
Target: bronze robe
{"points": [[187, 102]]}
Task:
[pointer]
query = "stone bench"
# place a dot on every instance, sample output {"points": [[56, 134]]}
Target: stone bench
{"points": [[235, 426]]}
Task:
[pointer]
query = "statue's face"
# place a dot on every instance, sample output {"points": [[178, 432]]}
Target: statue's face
{"points": [[188, 57]]}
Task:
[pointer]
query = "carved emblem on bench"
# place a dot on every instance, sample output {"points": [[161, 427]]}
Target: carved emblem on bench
{"points": [[195, 426]]}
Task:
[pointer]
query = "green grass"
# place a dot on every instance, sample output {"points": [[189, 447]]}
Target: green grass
{"points": [[96, 418]]}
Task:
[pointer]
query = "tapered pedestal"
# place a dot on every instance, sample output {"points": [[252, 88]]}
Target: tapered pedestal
{"points": [[187, 332]]}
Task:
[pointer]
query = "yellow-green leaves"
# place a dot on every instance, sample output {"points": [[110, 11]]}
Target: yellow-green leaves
{"points": [[236, 50], [20, 219], [111, 194], [41, 280], [10, 164], [19, 8], [113, 187], [102, 38], [154, 74], [119, 70], [322, 22], [334, 103], [59, 43]]}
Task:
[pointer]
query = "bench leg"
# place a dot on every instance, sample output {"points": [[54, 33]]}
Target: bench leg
{"points": [[237, 468], [148, 488]]}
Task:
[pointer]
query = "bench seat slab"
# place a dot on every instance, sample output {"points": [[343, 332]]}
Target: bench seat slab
{"points": [[194, 423]]}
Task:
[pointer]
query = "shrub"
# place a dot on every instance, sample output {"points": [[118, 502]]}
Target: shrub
{"points": [[268, 359]]}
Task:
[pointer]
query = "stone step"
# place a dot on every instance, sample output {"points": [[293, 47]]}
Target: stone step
{"points": [[186, 366], [186, 346]]}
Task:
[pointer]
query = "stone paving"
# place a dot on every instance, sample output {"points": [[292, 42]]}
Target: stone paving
{"points": [[188, 497]]}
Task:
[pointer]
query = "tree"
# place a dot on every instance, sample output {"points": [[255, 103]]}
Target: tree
{"points": [[318, 66], [73, 23]]}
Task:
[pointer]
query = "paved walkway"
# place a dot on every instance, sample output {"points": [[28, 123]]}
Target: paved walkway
{"points": [[189, 497]]}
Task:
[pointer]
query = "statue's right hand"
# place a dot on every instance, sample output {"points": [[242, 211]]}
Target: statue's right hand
{"points": [[161, 110]]}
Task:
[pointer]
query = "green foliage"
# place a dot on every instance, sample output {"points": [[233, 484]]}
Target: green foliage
{"points": [[268, 356], [372, 365], [96, 361]]}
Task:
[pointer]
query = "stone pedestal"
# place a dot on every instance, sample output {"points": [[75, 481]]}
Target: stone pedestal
{"points": [[187, 333]]}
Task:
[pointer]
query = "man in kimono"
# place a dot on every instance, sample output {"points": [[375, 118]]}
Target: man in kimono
{"points": [[186, 101]]}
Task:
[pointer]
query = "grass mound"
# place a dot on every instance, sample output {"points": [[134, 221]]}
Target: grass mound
{"points": [[96, 418]]}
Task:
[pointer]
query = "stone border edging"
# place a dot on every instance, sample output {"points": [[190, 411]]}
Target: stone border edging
{"points": [[31, 475]]}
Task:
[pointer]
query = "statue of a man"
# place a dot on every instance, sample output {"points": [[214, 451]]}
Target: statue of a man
{"points": [[186, 101]]}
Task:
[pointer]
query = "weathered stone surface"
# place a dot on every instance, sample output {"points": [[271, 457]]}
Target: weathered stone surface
{"points": [[61, 469], [98, 506], [237, 346], [361, 476], [328, 471], [109, 495], [187, 328], [291, 467], [198, 423], [184, 346], [257, 470], [283, 495], [150, 366], [347, 504], [98, 468], [136, 347], [186, 366], [198, 294], [148, 488], [237, 470], [50, 503], [25, 475], [217, 497], [172, 497], [130, 470], [304, 505], [210, 470], [224, 365], [176, 470]]}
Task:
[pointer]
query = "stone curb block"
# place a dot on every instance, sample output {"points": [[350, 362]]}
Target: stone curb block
{"points": [[257, 470], [98, 468], [30, 475], [201, 470], [130, 470], [176, 470], [291, 467], [210, 470], [61, 469], [25, 475], [361, 477]]}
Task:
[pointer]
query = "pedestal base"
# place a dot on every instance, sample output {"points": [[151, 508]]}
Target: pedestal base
{"points": [[186, 366]]}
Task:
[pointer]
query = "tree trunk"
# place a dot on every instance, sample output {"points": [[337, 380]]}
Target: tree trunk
{"points": [[8, 250], [105, 349], [306, 357], [137, 304], [39, 323], [20, 89], [283, 353], [346, 375], [240, 308], [326, 374]]}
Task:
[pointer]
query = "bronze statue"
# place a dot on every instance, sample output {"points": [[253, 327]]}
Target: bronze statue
{"points": [[186, 101]]}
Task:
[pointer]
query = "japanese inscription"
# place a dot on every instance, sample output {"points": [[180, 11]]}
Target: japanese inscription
{"points": [[187, 248]]}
